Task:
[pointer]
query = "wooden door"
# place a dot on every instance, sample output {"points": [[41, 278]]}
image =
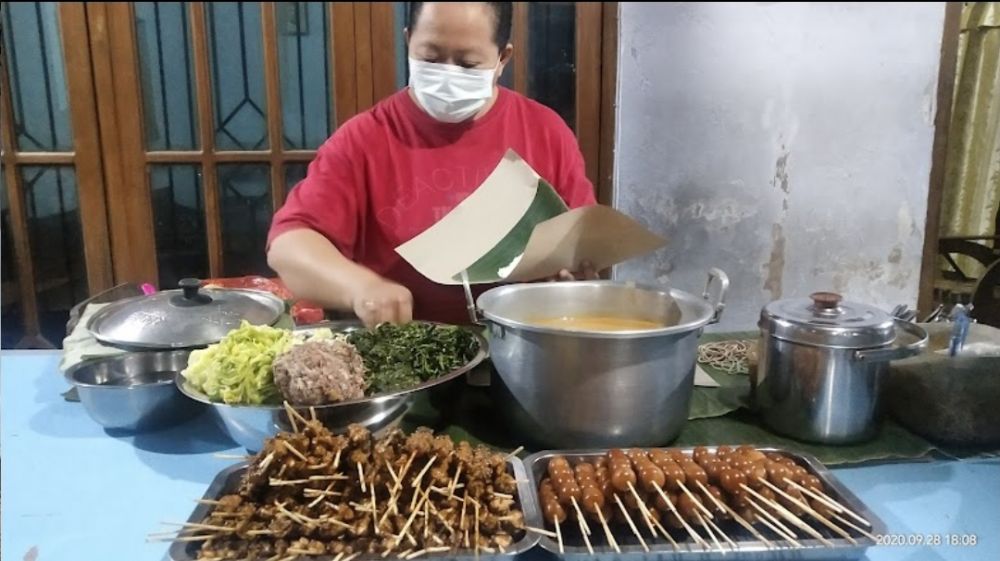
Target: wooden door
{"points": [[54, 219], [215, 110]]}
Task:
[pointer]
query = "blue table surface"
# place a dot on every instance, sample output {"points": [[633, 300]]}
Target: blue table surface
{"points": [[73, 492]]}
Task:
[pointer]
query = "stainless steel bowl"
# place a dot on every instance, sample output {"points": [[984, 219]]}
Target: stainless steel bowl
{"points": [[576, 389], [251, 425], [133, 391]]}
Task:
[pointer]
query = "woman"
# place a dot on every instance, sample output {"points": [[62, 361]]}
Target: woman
{"points": [[391, 172]]}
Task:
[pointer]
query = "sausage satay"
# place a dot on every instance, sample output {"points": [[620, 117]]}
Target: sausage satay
{"points": [[551, 509]]}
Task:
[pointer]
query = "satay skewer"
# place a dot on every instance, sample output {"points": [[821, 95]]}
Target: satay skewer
{"points": [[785, 513], [288, 446], [701, 520], [631, 525], [855, 527], [736, 516], [361, 478], [673, 510], [809, 510], [320, 495], [420, 475], [707, 513], [579, 515], [291, 416], [722, 534], [375, 524], [828, 501], [773, 523], [586, 540]]}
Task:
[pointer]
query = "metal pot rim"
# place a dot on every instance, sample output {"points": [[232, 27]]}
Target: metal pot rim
{"points": [[70, 374], [705, 310]]}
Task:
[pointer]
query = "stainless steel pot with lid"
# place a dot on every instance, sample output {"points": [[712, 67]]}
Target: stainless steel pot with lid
{"points": [[822, 366], [189, 317]]}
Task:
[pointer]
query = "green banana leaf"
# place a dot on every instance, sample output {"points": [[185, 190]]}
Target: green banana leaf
{"points": [[546, 204]]}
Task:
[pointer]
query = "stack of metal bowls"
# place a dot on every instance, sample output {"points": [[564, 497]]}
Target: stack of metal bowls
{"points": [[133, 391]]}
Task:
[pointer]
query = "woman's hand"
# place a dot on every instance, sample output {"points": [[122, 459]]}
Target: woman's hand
{"points": [[585, 271], [382, 301]]}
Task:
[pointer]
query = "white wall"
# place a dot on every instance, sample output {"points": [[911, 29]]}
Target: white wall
{"points": [[787, 143]]}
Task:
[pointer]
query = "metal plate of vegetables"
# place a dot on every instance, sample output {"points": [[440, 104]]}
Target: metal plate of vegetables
{"points": [[370, 377]]}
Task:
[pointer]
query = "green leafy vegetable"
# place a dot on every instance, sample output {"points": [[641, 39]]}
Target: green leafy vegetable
{"points": [[237, 369], [398, 357]]}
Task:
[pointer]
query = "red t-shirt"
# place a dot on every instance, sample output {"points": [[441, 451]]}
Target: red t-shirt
{"points": [[391, 172]]}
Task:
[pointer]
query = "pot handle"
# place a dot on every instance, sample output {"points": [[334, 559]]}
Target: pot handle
{"points": [[897, 352], [716, 276]]}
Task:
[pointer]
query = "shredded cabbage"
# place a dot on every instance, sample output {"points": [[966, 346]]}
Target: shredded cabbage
{"points": [[237, 369]]}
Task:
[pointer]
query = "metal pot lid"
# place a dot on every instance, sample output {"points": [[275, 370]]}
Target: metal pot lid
{"points": [[190, 317], [825, 319]]}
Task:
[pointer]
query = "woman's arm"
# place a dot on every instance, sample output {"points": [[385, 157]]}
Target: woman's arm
{"points": [[313, 269]]}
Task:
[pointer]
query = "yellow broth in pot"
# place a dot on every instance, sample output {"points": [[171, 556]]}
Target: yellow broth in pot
{"points": [[596, 323]]}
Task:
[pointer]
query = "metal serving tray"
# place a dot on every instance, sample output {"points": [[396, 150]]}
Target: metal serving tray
{"points": [[228, 481], [748, 548]]}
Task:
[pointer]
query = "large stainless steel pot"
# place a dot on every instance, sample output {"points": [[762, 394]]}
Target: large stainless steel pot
{"points": [[578, 389], [822, 366]]}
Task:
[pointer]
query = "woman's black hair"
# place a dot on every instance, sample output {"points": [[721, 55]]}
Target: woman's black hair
{"points": [[502, 15]]}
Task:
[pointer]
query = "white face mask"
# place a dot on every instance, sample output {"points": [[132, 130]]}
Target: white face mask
{"points": [[448, 93]]}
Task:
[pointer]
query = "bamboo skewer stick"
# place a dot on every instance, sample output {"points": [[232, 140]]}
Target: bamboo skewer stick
{"points": [[586, 540], [785, 513], [222, 456], [392, 472], [320, 495], [291, 417], [288, 446], [809, 510], [477, 523], [185, 538], [644, 510], [701, 520], [774, 523], [695, 500], [451, 488], [295, 412], [361, 478], [540, 531], [559, 538], [736, 516], [336, 459], [514, 452], [200, 526], [375, 524], [579, 514], [465, 500], [828, 501], [420, 474], [719, 532], [673, 510], [207, 502], [855, 527], [628, 519]]}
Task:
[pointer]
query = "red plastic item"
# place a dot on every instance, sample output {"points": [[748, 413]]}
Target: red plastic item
{"points": [[303, 312]]}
